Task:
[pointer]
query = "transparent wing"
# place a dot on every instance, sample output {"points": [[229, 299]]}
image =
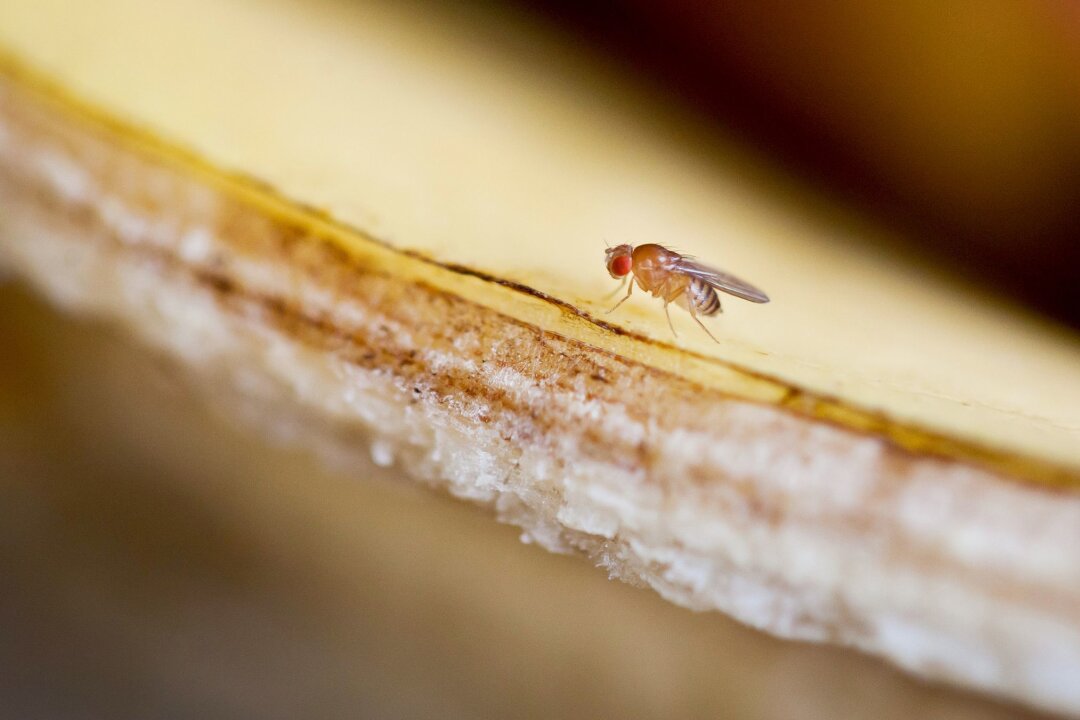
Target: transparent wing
{"points": [[720, 280]]}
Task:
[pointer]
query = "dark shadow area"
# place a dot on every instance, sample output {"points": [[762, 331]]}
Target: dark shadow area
{"points": [[955, 123]]}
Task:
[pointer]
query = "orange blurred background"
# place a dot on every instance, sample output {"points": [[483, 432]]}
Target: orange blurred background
{"points": [[957, 121]]}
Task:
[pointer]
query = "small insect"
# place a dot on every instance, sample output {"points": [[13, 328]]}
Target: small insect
{"points": [[676, 278]]}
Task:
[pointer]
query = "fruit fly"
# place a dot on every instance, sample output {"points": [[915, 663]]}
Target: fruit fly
{"points": [[676, 278]]}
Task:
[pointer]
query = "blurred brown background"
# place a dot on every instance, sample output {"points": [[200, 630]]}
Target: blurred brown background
{"points": [[955, 121]]}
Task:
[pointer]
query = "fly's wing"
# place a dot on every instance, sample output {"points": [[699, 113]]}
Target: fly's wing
{"points": [[720, 280]]}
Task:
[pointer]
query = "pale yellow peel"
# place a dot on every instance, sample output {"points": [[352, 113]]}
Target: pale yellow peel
{"points": [[517, 159]]}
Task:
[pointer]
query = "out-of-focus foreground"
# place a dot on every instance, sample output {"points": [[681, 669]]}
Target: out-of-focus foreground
{"points": [[160, 563]]}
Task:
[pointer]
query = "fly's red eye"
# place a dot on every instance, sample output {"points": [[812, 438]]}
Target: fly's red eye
{"points": [[621, 265]]}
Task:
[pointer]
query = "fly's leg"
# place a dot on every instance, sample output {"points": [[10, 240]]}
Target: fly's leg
{"points": [[670, 295], [629, 291], [693, 313], [614, 292], [666, 313]]}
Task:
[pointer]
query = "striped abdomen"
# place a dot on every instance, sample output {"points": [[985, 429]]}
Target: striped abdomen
{"points": [[703, 297]]}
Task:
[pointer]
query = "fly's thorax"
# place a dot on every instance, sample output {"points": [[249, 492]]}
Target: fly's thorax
{"points": [[653, 267], [653, 254]]}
